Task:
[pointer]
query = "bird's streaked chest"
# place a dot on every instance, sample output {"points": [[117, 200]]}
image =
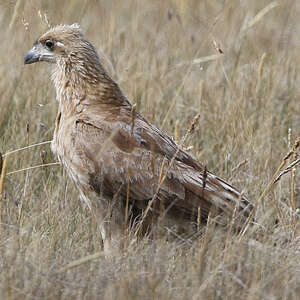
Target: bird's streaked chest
{"points": [[63, 146]]}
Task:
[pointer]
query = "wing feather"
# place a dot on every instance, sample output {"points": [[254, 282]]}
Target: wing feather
{"points": [[116, 155]]}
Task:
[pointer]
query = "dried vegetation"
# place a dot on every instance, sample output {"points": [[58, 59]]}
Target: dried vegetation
{"points": [[236, 64]]}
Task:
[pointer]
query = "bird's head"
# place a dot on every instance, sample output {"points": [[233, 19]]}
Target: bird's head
{"points": [[63, 43], [56, 43], [76, 62], [66, 47]]}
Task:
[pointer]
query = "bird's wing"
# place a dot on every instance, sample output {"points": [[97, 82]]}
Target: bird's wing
{"points": [[116, 154]]}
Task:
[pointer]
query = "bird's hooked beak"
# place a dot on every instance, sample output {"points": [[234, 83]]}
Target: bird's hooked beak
{"points": [[39, 53], [31, 57]]}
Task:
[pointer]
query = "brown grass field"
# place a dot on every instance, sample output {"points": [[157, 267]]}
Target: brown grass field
{"points": [[237, 64]]}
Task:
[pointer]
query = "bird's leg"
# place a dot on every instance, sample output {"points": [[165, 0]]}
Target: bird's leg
{"points": [[110, 220]]}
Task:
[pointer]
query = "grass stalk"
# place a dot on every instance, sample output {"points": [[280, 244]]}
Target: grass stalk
{"points": [[2, 182]]}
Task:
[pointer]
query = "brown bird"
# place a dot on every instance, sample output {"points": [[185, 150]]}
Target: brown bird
{"points": [[115, 156]]}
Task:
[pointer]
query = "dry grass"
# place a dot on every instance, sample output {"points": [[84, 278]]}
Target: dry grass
{"points": [[236, 63]]}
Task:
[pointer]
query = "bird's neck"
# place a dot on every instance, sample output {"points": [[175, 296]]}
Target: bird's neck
{"points": [[78, 86]]}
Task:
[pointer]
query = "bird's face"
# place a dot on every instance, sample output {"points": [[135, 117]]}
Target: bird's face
{"points": [[41, 51], [53, 45]]}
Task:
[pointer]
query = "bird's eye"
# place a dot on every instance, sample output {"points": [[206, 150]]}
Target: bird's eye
{"points": [[49, 44]]}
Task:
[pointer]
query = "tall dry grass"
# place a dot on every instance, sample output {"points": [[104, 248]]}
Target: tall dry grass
{"points": [[236, 63]]}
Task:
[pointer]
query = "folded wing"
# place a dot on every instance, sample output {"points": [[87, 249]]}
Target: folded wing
{"points": [[116, 153]]}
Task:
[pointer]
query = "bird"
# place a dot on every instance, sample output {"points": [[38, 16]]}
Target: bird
{"points": [[116, 158]]}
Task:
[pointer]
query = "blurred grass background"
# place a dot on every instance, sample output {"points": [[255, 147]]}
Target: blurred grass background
{"points": [[234, 62]]}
